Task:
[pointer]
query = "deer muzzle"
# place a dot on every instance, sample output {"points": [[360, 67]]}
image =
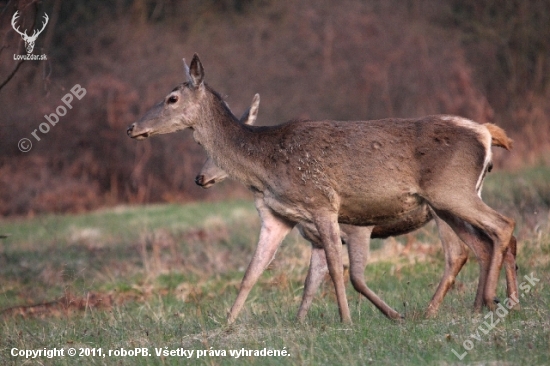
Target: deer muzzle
{"points": [[200, 180], [134, 132]]}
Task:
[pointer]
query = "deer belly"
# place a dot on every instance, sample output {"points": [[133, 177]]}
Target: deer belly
{"points": [[378, 210]]}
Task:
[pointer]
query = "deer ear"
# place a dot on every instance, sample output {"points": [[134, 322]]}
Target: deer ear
{"points": [[196, 72], [186, 70], [253, 111], [249, 117], [245, 117]]}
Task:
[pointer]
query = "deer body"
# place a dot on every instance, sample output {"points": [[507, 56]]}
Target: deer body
{"points": [[357, 239], [321, 173], [298, 171]]}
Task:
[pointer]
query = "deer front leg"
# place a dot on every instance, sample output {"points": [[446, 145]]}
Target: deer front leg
{"points": [[317, 270], [358, 248], [273, 231], [329, 233]]}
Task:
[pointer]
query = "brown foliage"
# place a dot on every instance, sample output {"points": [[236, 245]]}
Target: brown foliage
{"points": [[319, 60]]}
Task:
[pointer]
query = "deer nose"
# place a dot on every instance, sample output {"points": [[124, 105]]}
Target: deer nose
{"points": [[130, 129], [199, 180]]}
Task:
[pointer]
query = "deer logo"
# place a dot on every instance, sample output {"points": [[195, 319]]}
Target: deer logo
{"points": [[29, 40]]}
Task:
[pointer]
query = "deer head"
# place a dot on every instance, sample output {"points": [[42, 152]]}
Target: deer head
{"points": [[29, 40], [179, 110]]}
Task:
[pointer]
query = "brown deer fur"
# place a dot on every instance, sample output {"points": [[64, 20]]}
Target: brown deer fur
{"points": [[320, 173], [357, 239]]}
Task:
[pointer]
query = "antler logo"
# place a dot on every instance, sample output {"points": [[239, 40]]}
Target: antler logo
{"points": [[29, 40]]}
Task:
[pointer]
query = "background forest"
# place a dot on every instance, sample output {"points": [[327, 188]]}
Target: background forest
{"points": [[482, 59]]}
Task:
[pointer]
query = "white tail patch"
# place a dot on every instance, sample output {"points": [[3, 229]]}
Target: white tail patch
{"points": [[484, 137], [488, 157]]}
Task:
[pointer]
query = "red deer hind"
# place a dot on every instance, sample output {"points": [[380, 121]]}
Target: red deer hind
{"points": [[358, 238], [322, 173]]}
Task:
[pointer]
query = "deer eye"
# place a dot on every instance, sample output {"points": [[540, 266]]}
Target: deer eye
{"points": [[173, 99]]}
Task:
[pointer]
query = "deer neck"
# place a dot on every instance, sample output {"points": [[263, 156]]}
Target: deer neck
{"points": [[229, 144]]}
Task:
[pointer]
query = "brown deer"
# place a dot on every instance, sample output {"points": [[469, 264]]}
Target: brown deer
{"points": [[321, 173], [357, 239]]}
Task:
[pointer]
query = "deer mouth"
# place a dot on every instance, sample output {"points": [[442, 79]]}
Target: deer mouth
{"points": [[200, 181], [138, 135], [142, 136]]}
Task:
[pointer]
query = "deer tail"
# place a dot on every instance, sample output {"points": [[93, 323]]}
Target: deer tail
{"points": [[499, 137]]}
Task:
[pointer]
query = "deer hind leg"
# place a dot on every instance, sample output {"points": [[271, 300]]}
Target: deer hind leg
{"points": [[318, 268], [358, 248], [329, 233], [496, 231], [481, 245], [273, 231], [511, 269], [456, 256]]}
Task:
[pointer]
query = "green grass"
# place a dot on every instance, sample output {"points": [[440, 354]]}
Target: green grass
{"points": [[164, 276]]}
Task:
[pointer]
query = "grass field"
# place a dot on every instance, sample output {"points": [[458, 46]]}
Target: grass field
{"points": [[161, 278]]}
